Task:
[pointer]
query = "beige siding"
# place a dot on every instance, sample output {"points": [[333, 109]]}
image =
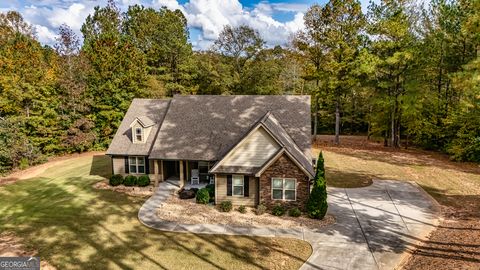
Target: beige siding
{"points": [[145, 131], [118, 165], [254, 151], [221, 192]]}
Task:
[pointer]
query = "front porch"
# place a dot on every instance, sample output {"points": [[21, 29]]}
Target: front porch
{"points": [[182, 171]]}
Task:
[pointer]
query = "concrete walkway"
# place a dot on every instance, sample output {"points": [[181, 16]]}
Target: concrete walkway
{"points": [[375, 226]]}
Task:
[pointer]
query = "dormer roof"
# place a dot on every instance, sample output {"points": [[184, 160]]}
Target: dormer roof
{"points": [[144, 121]]}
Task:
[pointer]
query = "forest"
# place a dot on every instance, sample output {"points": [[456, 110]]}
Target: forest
{"points": [[404, 72]]}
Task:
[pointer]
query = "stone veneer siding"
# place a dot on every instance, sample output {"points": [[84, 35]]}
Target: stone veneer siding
{"points": [[284, 167]]}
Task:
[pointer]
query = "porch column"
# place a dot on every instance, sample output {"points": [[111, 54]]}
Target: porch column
{"points": [[182, 179], [162, 176], [155, 170]]}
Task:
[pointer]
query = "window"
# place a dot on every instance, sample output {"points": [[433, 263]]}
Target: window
{"points": [[136, 164], [284, 189], [237, 185], [138, 134]]}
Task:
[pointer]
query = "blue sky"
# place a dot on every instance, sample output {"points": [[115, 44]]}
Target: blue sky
{"points": [[276, 20]]}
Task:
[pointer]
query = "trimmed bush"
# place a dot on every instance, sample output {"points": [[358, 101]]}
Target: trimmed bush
{"points": [[317, 201], [261, 209], [115, 180], [294, 212], [320, 168], [242, 209], [143, 181], [226, 206], [278, 210], [203, 196], [130, 180], [211, 190]]}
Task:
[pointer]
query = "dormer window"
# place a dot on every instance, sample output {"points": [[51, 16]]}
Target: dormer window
{"points": [[138, 134], [141, 128]]}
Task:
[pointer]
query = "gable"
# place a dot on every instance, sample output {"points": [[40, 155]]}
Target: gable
{"points": [[253, 151], [207, 127]]}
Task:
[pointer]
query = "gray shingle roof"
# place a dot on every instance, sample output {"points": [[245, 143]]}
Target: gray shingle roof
{"points": [[273, 126], [145, 121], [150, 110], [206, 127]]}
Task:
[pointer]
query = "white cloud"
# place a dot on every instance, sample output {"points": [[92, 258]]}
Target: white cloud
{"points": [[170, 4], [44, 34], [209, 16]]}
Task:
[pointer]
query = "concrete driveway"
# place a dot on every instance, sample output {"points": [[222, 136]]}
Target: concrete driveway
{"points": [[376, 226]]}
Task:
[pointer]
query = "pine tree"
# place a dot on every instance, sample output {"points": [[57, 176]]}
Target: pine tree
{"points": [[317, 205]]}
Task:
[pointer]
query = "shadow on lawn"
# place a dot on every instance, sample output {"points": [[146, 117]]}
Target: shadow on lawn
{"points": [[72, 225], [347, 179], [101, 166]]}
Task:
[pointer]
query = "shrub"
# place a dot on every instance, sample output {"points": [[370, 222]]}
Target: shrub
{"points": [[203, 196], [320, 168], [130, 180], [116, 179], [143, 181], [294, 212], [242, 209], [278, 210], [226, 206], [317, 201], [211, 190], [261, 209]]}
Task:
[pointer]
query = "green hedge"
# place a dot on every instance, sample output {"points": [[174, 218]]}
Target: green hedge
{"points": [[130, 180], [116, 179], [143, 181]]}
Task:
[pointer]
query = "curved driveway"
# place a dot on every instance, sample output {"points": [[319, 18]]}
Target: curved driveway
{"points": [[376, 226]]}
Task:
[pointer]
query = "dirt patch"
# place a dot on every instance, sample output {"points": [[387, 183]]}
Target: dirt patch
{"points": [[39, 169], [189, 212], [455, 244], [131, 191], [10, 246]]}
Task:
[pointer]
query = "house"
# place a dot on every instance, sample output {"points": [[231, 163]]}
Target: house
{"points": [[256, 149]]}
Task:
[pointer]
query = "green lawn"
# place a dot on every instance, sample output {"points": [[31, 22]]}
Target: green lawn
{"points": [[74, 226], [450, 183]]}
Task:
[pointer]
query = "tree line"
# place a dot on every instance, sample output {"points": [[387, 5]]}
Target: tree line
{"points": [[403, 72]]}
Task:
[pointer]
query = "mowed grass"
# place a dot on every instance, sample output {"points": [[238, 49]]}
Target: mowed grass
{"points": [[357, 162], [74, 226]]}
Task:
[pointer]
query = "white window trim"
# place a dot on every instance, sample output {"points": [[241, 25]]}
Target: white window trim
{"points": [[137, 165], [135, 134], [233, 185], [283, 188]]}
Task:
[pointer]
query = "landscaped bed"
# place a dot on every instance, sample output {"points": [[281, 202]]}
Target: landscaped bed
{"points": [[131, 191], [189, 212]]}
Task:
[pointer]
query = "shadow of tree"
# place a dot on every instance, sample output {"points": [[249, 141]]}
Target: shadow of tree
{"points": [[101, 166], [75, 226]]}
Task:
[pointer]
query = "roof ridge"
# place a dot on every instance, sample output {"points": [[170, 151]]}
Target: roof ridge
{"points": [[160, 126]]}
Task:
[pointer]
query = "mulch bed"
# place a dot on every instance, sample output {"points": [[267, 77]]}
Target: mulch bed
{"points": [[131, 191], [189, 212]]}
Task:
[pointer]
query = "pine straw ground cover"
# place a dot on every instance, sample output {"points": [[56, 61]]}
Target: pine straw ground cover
{"points": [[455, 244], [59, 216], [189, 212]]}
